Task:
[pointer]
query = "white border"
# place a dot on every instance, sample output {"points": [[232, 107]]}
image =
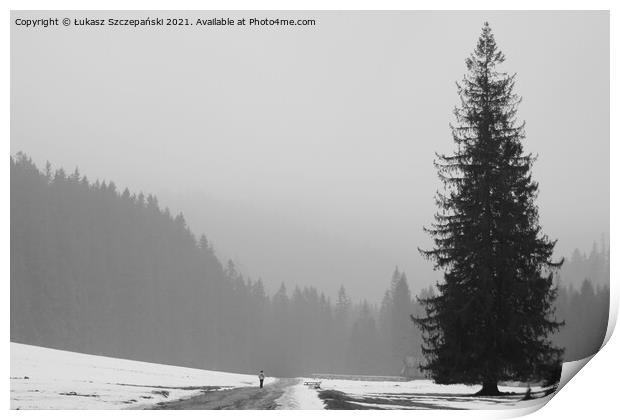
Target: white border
{"points": [[592, 394]]}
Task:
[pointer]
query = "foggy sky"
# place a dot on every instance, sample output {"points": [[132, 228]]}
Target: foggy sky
{"points": [[306, 153]]}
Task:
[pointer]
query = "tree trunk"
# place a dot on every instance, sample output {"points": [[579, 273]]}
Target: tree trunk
{"points": [[489, 388]]}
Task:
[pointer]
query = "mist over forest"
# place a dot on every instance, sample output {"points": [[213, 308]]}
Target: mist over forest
{"points": [[340, 163], [100, 270]]}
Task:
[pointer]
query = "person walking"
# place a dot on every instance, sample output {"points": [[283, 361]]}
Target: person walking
{"points": [[261, 378]]}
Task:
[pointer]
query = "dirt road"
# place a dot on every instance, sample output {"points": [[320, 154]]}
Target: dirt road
{"points": [[248, 398]]}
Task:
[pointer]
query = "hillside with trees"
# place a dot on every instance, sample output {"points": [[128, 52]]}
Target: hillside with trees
{"points": [[109, 272]]}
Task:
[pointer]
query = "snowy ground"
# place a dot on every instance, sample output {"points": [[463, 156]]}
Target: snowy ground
{"points": [[421, 394], [300, 397], [43, 378]]}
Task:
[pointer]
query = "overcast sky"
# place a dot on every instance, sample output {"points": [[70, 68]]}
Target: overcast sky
{"points": [[306, 154]]}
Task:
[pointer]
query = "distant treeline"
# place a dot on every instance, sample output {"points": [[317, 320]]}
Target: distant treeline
{"points": [[583, 301], [585, 312], [102, 271], [593, 266]]}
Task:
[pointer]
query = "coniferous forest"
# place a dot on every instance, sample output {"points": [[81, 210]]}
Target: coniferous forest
{"points": [[99, 270]]}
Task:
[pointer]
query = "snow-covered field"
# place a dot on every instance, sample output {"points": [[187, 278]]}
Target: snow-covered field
{"points": [[424, 394], [43, 378]]}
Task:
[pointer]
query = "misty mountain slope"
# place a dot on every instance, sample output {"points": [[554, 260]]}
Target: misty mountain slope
{"points": [[43, 378], [323, 248], [98, 271]]}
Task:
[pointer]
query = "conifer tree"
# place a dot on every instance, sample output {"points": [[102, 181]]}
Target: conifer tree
{"points": [[343, 304], [493, 315], [203, 244], [401, 328]]}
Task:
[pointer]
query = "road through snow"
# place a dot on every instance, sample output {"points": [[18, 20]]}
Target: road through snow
{"points": [[246, 398]]}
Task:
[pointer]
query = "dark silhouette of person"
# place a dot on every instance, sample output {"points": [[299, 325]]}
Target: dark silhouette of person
{"points": [[261, 378]]}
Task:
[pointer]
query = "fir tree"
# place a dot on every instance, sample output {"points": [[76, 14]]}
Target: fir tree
{"points": [[493, 315], [343, 304], [203, 244], [401, 328]]}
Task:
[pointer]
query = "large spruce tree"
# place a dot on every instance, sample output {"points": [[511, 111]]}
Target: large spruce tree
{"points": [[493, 315]]}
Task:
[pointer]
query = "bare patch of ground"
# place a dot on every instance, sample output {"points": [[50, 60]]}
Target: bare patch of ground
{"points": [[246, 398]]}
